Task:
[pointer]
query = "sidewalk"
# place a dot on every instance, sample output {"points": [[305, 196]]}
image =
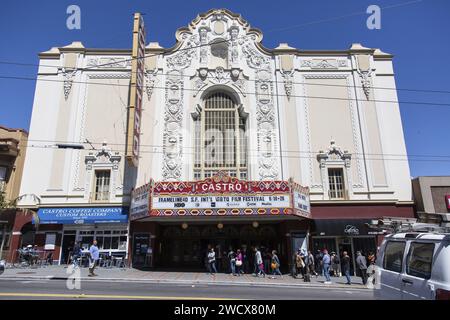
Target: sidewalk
{"points": [[173, 277]]}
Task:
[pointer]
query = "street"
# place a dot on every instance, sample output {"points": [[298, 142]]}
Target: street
{"points": [[57, 289]]}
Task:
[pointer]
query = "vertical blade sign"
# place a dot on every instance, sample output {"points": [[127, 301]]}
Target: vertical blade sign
{"points": [[136, 90]]}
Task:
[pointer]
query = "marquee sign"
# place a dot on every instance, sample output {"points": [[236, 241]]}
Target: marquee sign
{"points": [[222, 195]]}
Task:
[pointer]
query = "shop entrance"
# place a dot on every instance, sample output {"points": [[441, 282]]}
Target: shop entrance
{"points": [[187, 248]]}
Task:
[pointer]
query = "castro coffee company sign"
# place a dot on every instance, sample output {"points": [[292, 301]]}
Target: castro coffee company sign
{"points": [[225, 195]]}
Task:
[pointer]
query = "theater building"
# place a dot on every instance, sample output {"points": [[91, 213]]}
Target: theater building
{"points": [[225, 143]]}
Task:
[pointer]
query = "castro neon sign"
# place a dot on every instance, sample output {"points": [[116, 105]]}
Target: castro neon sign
{"points": [[221, 187]]}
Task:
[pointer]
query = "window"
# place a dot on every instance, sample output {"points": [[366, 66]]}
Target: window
{"points": [[112, 239], [50, 240], [6, 241], [393, 256], [2, 178], [419, 260], [220, 138], [102, 178], [336, 183]]}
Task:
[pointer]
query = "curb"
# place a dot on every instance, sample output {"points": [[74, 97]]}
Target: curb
{"points": [[193, 282]]}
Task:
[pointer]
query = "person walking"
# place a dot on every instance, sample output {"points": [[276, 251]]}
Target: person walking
{"points": [[232, 257], [326, 261], [266, 259], [93, 258], [318, 263], [311, 264], [346, 267], [335, 264], [76, 254], [306, 268], [362, 266], [212, 261], [299, 263], [259, 263], [275, 264], [239, 262]]}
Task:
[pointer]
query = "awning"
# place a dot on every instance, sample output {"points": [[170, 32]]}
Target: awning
{"points": [[343, 227], [82, 215]]}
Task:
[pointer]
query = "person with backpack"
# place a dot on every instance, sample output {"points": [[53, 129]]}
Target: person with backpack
{"points": [[335, 264], [299, 263], [311, 264], [232, 257]]}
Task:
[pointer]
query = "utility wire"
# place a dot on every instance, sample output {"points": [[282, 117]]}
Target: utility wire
{"points": [[91, 143], [250, 156], [249, 93]]}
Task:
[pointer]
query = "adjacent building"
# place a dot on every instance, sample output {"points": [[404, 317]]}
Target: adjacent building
{"points": [[12, 156], [292, 141], [432, 197]]}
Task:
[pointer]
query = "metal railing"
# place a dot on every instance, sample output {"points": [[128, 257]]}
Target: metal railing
{"points": [[99, 196]]}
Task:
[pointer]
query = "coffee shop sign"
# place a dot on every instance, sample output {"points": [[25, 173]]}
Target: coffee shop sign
{"points": [[351, 230]]}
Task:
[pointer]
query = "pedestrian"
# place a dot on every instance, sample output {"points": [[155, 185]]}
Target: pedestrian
{"points": [[311, 264], [299, 263], [212, 261], [232, 257], [267, 259], [318, 263], [361, 263], [259, 263], [335, 264], [76, 253], [346, 267], [245, 262], [326, 261], [275, 264], [93, 258], [371, 258], [239, 262], [255, 261]]}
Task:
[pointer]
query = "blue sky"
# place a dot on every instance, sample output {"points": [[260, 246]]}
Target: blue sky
{"points": [[416, 33]]}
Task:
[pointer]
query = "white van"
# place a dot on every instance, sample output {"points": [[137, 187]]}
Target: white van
{"points": [[414, 265]]}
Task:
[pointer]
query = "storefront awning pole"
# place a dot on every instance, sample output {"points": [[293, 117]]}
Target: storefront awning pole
{"points": [[3, 241]]}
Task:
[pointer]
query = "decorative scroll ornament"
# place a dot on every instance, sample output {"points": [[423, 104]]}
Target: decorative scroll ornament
{"points": [[68, 80], [173, 116], [366, 82], [287, 77], [150, 79], [183, 58]]}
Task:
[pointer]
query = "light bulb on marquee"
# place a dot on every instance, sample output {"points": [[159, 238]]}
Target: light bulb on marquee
{"points": [[255, 224], [184, 225]]}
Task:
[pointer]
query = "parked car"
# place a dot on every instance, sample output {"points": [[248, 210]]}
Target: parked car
{"points": [[414, 265], [2, 266]]}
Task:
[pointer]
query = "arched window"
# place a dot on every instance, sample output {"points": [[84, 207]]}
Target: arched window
{"points": [[220, 138]]}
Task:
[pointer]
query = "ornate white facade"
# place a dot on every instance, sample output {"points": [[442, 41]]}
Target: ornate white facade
{"points": [[305, 111]]}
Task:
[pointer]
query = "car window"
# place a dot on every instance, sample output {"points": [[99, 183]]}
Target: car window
{"points": [[420, 257], [393, 256]]}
